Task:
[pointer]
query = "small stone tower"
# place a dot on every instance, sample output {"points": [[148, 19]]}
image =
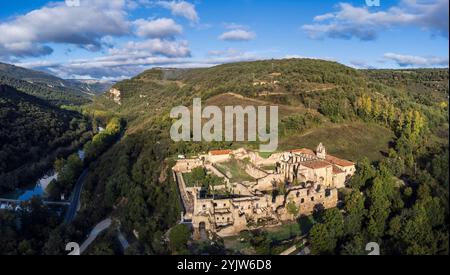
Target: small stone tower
{"points": [[321, 152]]}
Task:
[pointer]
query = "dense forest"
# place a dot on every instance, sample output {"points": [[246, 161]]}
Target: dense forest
{"points": [[55, 96], [36, 228], [399, 199], [33, 133]]}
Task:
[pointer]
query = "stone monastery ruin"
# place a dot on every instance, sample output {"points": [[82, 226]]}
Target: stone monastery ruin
{"points": [[285, 186]]}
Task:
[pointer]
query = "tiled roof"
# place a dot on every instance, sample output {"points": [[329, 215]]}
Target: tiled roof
{"points": [[316, 164], [338, 161], [220, 152], [337, 170]]}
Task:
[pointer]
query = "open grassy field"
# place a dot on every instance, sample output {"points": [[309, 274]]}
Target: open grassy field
{"points": [[236, 169], [233, 99], [350, 141], [212, 180]]}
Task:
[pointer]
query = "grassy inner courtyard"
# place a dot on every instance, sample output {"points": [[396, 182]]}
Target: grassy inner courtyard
{"points": [[235, 169]]}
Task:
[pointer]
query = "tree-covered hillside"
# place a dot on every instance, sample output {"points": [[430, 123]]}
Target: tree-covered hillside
{"points": [[81, 88], [56, 96], [32, 133]]}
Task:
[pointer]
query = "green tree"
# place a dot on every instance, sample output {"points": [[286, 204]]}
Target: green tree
{"points": [[355, 212], [292, 209], [179, 237], [365, 172], [379, 205], [25, 248], [334, 221], [321, 240], [355, 246]]}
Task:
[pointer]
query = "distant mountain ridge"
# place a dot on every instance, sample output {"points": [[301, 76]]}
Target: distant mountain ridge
{"points": [[55, 96], [73, 86], [91, 86]]}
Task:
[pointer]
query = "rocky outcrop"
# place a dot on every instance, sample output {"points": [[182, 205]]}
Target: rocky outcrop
{"points": [[116, 95]]}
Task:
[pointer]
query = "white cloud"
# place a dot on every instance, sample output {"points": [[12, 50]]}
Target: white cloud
{"points": [[84, 26], [230, 52], [361, 64], [360, 22], [417, 61], [129, 60], [181, 8], [159, 28], [234, 26], [154, 47], [296, 56], [132, 59], [238, 35]]}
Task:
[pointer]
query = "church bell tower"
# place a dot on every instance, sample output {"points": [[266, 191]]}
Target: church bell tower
{"points": [[321, 152]]}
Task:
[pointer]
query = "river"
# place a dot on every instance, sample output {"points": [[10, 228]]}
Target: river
{"points": [[38, 189]]}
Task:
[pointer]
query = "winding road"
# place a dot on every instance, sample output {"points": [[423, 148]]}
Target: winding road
{"points": [[75, 199], [99, 228]]}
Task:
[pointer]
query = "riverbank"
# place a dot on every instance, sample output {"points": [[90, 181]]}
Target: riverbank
{"points": [[38, 189]]}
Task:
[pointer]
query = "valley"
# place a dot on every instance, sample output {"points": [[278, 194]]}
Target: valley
{"points": [[391, 131]]}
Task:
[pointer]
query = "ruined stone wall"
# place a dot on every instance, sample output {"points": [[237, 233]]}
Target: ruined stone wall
{"points": [[256, 159], [308, 203], [186, 165], [254, 172], [339, 180], [322, 176], [307, 199], [240, 190], [349, 171], [266, 183], [227, 217], [218, 158]]}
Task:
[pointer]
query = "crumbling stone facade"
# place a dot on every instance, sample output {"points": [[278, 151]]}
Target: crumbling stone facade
{"points": [[305, 178]]}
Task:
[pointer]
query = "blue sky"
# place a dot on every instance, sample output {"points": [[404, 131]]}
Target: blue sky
{"points": [[113, 39]]}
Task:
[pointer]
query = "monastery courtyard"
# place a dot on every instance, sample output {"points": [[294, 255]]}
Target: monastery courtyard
{"points": [[226, 192]]}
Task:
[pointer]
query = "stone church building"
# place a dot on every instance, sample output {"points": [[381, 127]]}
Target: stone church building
{"points": [[307, 179]]}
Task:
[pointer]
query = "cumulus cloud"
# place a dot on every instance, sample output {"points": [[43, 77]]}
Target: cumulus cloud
{"points": [[121, 67], [181, 8], [154, 47], [238, 35], [359, 22], [84, 26], [159, 28], [417, 61], [97, 25], [120, 62], [133, 58]]}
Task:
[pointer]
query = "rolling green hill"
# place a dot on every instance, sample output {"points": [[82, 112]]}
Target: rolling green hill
{"points": [[385, 125], [310, 93]]}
